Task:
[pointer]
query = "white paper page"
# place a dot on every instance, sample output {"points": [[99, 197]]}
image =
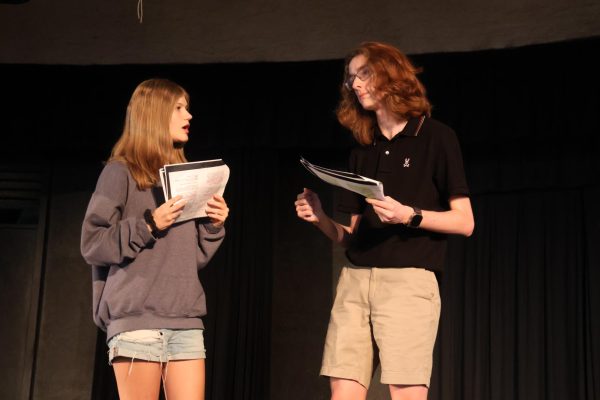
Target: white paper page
{"points": [[367, 189], [161, 173], [197, 186], [336, 173]]}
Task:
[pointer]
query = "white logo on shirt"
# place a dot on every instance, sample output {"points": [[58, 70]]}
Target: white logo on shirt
{"points": [[406, 163]]}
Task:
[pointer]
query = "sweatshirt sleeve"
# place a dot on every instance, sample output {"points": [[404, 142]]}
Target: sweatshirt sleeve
{"points": [[209, 240], [106, 238]]}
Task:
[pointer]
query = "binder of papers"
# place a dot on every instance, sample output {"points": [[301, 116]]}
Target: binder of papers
{"points": [[196, 182]]}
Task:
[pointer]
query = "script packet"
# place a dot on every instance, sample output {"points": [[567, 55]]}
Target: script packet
{"points": [[362, 185], [196, 182]]}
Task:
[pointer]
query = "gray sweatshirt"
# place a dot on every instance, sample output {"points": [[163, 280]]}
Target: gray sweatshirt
{"points": [[142, 282]]}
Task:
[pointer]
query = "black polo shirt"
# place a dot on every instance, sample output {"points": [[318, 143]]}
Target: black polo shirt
{"points": [[421, 166]]}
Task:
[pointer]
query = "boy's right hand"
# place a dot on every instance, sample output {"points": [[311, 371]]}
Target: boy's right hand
{"points": [[308, 206]]}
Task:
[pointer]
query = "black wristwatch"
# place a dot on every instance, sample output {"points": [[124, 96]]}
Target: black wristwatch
{"points": [[415, 219]]}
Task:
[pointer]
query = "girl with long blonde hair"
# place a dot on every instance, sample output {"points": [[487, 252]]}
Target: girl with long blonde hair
{"points": [[146, 292]]}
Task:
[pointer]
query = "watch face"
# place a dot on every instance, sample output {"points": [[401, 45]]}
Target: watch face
{"points": [[416, 220]]}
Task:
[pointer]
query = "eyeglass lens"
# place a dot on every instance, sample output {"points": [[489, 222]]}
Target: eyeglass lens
{"points": [[363, 74]]}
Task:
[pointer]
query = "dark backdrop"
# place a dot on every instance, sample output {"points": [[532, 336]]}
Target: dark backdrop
{"points": [[521, 309]]}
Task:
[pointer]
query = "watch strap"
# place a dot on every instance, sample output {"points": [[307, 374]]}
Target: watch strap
{"points": [[415, 219]]}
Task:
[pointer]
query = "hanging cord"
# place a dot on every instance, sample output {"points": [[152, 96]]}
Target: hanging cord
{"points": [[140, 10]]}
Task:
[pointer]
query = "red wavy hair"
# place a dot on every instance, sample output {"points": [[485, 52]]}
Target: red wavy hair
{"points": [[394, 77]]}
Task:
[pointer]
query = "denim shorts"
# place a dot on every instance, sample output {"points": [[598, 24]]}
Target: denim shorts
{"points": [[158, 345]]}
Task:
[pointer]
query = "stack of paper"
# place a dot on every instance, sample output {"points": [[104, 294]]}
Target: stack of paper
{"points": [[356, 183], [196, 182]]}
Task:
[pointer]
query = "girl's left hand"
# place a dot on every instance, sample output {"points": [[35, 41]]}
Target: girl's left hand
{"points": [[217, 210]]}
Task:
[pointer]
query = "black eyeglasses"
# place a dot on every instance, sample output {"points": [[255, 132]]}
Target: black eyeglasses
{"points": [[363, 74]]}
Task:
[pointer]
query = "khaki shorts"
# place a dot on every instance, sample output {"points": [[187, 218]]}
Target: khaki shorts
{"points": [[397, 307]]}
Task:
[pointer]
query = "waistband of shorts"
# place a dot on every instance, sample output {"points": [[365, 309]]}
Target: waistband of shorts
{"points": [[151, 321]]}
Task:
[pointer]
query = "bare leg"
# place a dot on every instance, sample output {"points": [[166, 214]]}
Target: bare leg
{"points": [[137, 380], [184, 380], [408, 392], [346, 389]]}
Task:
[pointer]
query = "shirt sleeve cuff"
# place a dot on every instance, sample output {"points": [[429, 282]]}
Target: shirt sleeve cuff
{"points": [[145, 234]]}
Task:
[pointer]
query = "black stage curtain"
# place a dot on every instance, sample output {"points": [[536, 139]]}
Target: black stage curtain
{"points": [[521, 308]]}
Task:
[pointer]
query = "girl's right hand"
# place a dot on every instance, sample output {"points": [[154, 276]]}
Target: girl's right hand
{"points": [[308, 206], [167, 213]]}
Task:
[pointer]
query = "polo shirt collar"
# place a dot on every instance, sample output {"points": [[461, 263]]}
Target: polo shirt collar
{"points": [[410, 129]]}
